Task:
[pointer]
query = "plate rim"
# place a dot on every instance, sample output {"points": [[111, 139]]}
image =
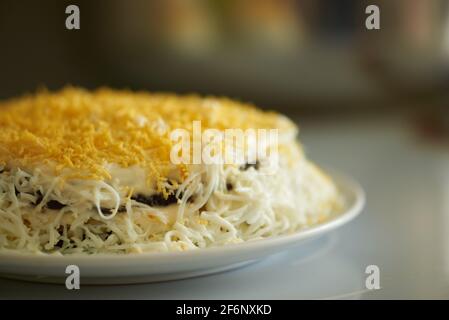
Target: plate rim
{"points": [[341, 180]]}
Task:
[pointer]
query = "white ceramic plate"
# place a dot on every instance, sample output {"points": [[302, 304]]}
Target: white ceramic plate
{"points": [[152, 267]]}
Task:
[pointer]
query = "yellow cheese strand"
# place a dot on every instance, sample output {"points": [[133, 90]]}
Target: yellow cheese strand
{"points": [[82, 130]]}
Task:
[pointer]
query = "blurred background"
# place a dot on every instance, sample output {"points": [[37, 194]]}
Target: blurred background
{"points": [[305, 56]]}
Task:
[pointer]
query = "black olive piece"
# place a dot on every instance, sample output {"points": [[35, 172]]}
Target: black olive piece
{"points": [[105, 235], [108, 234], [155, 200], [54, 205], [39, 198], [246, 166], [229, 186], [59, 244], [108, 211]]}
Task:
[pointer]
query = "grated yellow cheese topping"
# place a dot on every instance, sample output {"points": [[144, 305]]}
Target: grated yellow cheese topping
{"points": [[82, 130]]}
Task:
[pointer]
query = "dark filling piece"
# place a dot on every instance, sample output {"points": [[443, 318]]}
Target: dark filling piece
{"points": [[108, 211], [54, 205], [51, 204], [39, 198], [59, 244], [155, 200], [246, 166]]}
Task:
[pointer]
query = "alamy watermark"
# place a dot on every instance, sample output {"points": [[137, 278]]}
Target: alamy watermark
{"points": [[72, 281], [372, 281], [73, 19], [372, 22], [228, 146]]}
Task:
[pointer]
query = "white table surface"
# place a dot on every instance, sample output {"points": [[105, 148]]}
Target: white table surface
{"points": [[403, 230]]}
